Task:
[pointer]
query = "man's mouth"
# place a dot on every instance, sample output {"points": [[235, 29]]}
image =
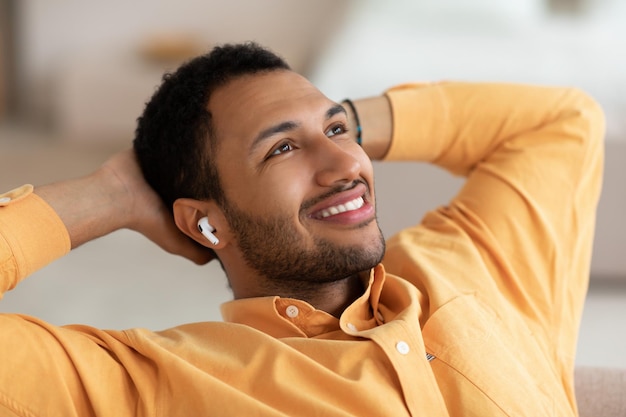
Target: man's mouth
{"points": [[352, 205], [349, 206]]}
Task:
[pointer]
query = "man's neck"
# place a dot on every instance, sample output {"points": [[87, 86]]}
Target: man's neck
{"points": [[335, 297], [332, 297]]}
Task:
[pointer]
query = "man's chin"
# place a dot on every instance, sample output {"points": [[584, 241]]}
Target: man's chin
{"points": [[329, 261], [366, 252]]}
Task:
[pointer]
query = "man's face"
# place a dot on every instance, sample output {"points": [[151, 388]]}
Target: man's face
{"points": [[299, 189]]}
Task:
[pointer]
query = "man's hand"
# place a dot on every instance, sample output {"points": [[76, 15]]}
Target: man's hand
{"points": [[117, 196], [146, 212]]}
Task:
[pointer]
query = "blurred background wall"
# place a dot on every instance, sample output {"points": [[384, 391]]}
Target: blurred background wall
{"points": [[74, 59], [74, 76]]}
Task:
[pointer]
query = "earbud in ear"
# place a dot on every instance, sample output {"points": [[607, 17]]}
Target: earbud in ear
{"points": [[207, 230]]}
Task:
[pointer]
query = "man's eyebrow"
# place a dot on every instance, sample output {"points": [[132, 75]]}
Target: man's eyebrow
{"points": [[336, 109], [271, 131], [290, 125]]}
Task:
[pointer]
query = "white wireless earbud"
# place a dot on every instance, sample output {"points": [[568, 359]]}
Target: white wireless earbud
{"points": [[207, 230]]}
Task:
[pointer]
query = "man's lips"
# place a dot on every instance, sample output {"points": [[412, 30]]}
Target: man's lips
{"points": [[343, 204], [355, 204]]}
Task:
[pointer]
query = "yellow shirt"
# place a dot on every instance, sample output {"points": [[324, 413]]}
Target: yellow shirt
{"points": [[475, 312]]}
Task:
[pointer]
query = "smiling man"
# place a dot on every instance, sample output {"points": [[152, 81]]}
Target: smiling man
{"points": [[472, 312], [298, 194]]}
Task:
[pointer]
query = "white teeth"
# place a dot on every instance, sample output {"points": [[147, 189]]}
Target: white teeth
{"points": [[355, 204]]}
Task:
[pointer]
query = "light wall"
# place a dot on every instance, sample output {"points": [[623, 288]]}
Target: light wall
{"points": [[83, 66]]}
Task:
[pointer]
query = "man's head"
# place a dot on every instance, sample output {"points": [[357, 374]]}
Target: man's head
{"points": [[174, 140], [291, 193]]}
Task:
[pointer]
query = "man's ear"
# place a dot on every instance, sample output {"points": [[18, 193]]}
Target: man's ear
{"points": [[187, 214]]}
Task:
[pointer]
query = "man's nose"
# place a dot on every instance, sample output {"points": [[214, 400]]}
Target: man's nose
{"points": [[335, 164]]}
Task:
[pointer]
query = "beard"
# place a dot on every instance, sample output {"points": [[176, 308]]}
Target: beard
{"points": [[276, 249]]}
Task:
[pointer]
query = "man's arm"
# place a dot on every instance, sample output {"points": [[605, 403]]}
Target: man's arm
{"points": [[521, 228], [113, 197]]}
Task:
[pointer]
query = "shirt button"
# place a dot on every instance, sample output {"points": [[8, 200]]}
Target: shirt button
{"points": [[292, 311], [351, 327], [5, 200], [402, 347]]}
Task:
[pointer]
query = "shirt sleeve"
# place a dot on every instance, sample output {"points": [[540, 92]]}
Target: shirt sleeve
{"points": [[31, 236], [521, 227]]}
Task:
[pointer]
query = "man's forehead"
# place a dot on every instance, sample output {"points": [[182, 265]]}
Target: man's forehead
{"points": [[261, 88], [258, 101]]}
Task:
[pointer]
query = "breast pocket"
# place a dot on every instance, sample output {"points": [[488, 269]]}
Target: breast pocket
{"points": [[485, 366]]}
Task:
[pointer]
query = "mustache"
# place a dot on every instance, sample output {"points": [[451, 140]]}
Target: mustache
{"points": [[336, 190]]}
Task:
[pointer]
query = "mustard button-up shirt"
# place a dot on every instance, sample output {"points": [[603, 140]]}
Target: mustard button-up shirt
{"points": [[474, 311]]}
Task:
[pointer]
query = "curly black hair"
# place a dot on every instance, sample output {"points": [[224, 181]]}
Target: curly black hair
{"points": [[174, 140]]}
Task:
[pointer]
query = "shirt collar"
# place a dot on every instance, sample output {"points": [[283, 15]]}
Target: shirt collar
{"points": [[288, 317]]}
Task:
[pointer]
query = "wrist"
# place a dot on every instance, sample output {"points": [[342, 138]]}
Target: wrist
{"points": [[85, 205], [353, 118], [114, 196], [376, 124]]}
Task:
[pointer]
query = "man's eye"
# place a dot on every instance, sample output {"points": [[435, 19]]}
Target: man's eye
{"points": [[336, 130], [285, 147]]}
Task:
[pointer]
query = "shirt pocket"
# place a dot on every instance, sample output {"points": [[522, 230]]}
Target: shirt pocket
{"points": [[487, 367]]}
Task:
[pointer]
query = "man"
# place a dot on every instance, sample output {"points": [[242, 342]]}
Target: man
{"points": [[473, 312]]}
